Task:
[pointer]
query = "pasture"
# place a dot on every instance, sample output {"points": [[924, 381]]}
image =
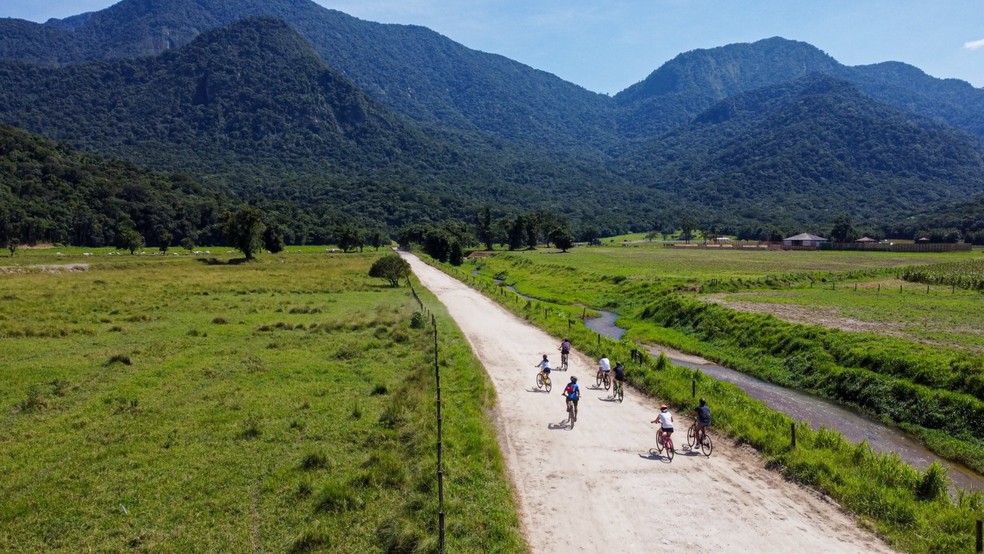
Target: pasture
{"points": [[183, 403]]}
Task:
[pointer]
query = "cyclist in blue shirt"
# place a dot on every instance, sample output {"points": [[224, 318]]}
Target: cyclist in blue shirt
{"points": [[572, 393]]}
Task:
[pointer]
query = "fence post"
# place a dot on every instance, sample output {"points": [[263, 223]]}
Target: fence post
{"points": [[792, 432], [980, 538], [440, 466], [693, 386]]}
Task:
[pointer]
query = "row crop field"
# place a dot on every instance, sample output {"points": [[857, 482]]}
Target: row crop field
{"points": [[190, 404]]}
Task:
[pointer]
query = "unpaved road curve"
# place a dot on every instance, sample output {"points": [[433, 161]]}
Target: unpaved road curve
{"points": [[596, 488]]}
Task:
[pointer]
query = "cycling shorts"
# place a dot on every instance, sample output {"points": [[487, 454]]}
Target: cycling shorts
{"points": [[667, 431], [573, 399], [546, 371]]}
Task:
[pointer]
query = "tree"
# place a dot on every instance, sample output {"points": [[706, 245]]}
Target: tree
{"points": [[562, 239], [390, 267], [273, 238], [485, 233], [843, 230], [687, 225], [517, 233], [532, 232], [12, 245], [349, 237], [244, 229], [129, 239], [163, 239]]}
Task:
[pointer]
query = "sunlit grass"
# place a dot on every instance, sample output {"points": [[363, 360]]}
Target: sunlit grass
{"points": [[183, 404]]}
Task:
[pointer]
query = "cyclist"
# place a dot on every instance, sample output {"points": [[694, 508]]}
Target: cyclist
{"points": [[572, 393], [565, 350], [619, 376], [703, 413], [604, 366], [544, 366], [665, 419]]}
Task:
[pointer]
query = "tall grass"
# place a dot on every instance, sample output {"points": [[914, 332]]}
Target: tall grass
{"points": [[212, 408]]}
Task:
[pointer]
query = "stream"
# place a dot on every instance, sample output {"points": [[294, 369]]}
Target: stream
{"points": [[814, 410]]}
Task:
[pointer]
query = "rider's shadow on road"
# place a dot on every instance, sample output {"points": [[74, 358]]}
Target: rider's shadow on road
{"points": [[654, 456], [562, 426], [607, 398], [537, 390]]}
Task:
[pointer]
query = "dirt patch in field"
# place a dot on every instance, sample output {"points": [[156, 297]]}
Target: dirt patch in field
{"points": [[809, 315], [46, 268]]}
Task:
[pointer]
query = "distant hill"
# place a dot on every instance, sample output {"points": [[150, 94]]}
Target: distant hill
{"points": [[694, 81], [807, 151]]}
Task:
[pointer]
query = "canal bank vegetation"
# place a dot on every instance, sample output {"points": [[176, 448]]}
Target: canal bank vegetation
{"points": [[184, 404], [930, 393]]}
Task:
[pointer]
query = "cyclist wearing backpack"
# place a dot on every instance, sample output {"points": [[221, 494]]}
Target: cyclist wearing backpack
{"points": [[572, 393]]}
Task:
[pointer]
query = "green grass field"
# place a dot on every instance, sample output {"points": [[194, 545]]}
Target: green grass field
{"points": [[930, 382], [185, 404]]}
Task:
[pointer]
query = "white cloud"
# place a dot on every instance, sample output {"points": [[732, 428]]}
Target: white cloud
{"points": [[974, 44]]}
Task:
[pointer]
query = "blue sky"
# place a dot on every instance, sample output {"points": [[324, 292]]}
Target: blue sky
{"points": [[607, 46]]}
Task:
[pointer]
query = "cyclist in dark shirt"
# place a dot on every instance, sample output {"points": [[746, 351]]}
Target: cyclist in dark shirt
{"points": [[703, 418]]}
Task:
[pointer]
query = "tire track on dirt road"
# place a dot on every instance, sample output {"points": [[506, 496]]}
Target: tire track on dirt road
{"points": [[596, 488]]}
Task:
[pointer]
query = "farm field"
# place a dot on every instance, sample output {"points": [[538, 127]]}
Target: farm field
{"points": [[938, 314], [187, 404]]}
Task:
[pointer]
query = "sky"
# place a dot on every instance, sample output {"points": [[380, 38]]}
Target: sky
{"points": [[606, 46]]}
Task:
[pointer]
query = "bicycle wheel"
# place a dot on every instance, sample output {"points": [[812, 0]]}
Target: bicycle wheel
{"points": [[570, 414], [659, 442], [706, 446], [539, 380], [620, 391], [547, 384], [692, 436], [598, 379], [669, 449], [607, 379], [563, 361]]}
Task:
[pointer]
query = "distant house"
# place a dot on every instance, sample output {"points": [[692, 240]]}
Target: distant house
{"points": [[866, 239], [803, 240]]}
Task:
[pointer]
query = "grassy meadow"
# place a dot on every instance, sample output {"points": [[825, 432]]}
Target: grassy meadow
{"points": [[932, 389], [189, 404]]}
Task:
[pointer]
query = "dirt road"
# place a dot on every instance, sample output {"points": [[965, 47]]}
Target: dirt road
{"points": [[597, 488]]}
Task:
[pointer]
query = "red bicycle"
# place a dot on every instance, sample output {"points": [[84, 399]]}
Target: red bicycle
{"points": [[664, 441]]}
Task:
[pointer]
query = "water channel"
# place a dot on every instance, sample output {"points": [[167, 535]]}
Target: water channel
{"points": [[804, 407]]}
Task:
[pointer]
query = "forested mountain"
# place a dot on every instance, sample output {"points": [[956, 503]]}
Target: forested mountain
{"points": [[327, 114], [251, 108], [49, 192], [694, 81], [412, 70], [807, 151]]}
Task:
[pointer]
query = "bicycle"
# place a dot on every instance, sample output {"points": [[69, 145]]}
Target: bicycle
{"points": [[664, 442], [563, 360], [618, 391], [543, 381], [604, 378], [571, 413], [706, 446]]}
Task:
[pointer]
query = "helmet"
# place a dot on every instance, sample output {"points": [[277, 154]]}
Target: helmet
{"points": [[663, 407], [702, 402], [573, 379]]}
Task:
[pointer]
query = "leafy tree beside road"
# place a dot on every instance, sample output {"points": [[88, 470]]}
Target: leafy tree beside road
{"points": [[390, 267]]}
